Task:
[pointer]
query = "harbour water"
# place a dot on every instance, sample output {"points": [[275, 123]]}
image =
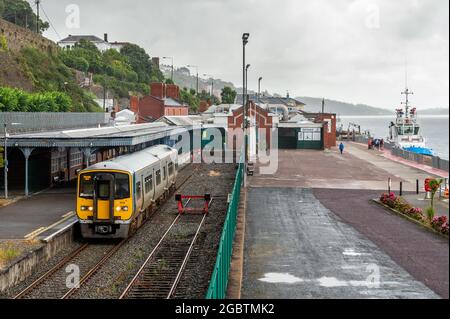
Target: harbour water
{"points": [[435, 128]]}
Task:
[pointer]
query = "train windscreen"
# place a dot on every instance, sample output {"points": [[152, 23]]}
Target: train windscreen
{"points": [[121, 191]]}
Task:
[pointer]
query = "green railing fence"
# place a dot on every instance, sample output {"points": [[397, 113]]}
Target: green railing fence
{"points": [[219, 280]]}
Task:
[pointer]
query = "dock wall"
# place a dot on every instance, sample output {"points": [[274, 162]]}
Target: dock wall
{"points": [[432, 161]]}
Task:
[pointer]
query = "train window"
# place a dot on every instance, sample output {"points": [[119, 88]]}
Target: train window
{"points": [[87, 184], [122, 186], [103, 190], [158, 177], [138, 190], [148, 184], [170, 169]]}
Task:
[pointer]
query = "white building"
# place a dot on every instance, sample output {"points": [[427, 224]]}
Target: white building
{"points": [[102, 45]]}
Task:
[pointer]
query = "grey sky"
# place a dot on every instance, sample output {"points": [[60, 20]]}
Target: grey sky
{"points": [[349, 50]]}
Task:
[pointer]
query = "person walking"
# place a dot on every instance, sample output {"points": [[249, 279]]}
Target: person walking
{"points": [[341, 148]]}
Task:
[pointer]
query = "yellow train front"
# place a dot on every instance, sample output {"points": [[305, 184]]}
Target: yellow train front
{"points": [[116, 196]]}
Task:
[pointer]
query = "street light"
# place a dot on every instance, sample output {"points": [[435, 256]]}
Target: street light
{"points": [[259, 88], [245, 38], [6, 156], [196, 68], [212, 83], [169, 58]]}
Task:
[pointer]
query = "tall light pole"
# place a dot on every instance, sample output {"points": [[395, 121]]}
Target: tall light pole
{"points": [[212, 83], [170, 58], [259, 88], [245, 38], [196, 68], [38, 2], [6, 157]]}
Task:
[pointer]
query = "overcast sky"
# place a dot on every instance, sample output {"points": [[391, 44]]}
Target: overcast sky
{"points": [[349, 50]]}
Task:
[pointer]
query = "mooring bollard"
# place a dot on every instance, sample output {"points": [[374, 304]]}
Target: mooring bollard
{"points": [[389, 185], [417, 187], [401, 188]]}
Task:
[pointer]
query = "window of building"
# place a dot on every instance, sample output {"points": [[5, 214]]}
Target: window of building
{"points": [[76, 158]]}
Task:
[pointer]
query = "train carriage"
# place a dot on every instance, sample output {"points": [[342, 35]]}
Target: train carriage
{"points": [[114, 197]]}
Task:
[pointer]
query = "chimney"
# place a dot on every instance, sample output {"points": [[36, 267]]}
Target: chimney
{"points": [[158, 90], [105, 37], [134, 104], [173, 91]]}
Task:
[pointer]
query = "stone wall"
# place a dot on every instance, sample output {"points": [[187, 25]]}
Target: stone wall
{"points": [[18, 38]]}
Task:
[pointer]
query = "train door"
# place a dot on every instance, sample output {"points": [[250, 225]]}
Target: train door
{"points": [[139, 193], [165, 177], [103, 198]]}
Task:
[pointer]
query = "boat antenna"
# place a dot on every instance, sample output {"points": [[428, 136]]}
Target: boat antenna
{"points": [[407, 91]]}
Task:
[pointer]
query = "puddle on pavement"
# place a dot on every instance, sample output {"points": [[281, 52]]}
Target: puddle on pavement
{"points": [[276, 278]]}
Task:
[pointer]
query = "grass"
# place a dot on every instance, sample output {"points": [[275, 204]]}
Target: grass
{"points": [[8, 253]]}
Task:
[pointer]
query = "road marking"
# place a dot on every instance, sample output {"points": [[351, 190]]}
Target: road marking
{"points": [[41, 230]]}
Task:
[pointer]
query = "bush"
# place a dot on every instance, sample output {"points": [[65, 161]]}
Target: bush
{"points": [[440, 224], [15, 100], [430, 212]]}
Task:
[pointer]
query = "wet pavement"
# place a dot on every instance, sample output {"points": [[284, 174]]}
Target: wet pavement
{"points": [[311, 231], [297, 248], [357, 168], [42, 210], [423, 254]]}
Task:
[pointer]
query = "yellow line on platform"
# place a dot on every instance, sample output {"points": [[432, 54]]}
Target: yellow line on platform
{"points": [[41, 230]]}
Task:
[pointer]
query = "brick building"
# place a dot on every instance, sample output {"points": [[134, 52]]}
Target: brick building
{"points": [[164, 100]]}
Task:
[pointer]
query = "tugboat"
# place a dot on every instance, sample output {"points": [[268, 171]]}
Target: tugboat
{"points": [[405, 132]]}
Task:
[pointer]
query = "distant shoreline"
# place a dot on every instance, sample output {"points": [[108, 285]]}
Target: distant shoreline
{"points": [[428, 116]]}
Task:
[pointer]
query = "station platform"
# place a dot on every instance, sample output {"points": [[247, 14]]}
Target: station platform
{"points": [[38, 216], [311, 231]]}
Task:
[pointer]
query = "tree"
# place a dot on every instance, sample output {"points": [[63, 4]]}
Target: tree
{"points": [[141, 63], [435, 185], [20, 12], [228, 95]]}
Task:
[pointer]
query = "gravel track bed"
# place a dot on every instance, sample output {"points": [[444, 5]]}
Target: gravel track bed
{"points": [[112, 279], [114, 276], [41, 269]]}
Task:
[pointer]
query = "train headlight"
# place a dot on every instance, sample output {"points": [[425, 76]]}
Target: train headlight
{"points": [[125, 208], [118, 208], [91, 209], [84, 208]]}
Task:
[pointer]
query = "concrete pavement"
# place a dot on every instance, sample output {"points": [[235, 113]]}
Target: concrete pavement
{"points": [[298, 245], [297, 248], [28, 215]]}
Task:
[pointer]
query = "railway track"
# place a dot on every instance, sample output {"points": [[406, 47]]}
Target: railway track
{"points": [[160, 274], [52, 284], [88, 257]]}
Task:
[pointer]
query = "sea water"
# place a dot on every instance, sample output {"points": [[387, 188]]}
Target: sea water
{"points": [[435, 128]]}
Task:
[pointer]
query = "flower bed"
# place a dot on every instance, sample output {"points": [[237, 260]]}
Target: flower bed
{"points": [[439, 224]]}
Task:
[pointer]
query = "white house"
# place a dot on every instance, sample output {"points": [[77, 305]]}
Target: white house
{"points": [[102, 45]]}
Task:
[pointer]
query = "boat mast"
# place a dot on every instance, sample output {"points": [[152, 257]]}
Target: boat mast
{"points": [[407, 92]]}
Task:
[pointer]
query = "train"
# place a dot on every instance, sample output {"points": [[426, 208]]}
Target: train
{"points": [[115, 197]]}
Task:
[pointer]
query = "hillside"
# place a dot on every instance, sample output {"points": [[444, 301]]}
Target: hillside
{"points": [[341, 108], [185, 79]]}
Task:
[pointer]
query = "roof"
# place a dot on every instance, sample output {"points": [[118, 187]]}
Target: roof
{"points": [[77, 38], [111, 136], [168, 101], [288, 101], [136, 161], [189, 120], [214, 109]]}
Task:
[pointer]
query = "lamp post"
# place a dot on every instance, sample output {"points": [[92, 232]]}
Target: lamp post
{"points": [[170, 58], [212, 83], [245, 38], [196, 68], [6, 156], [259, 88]]}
